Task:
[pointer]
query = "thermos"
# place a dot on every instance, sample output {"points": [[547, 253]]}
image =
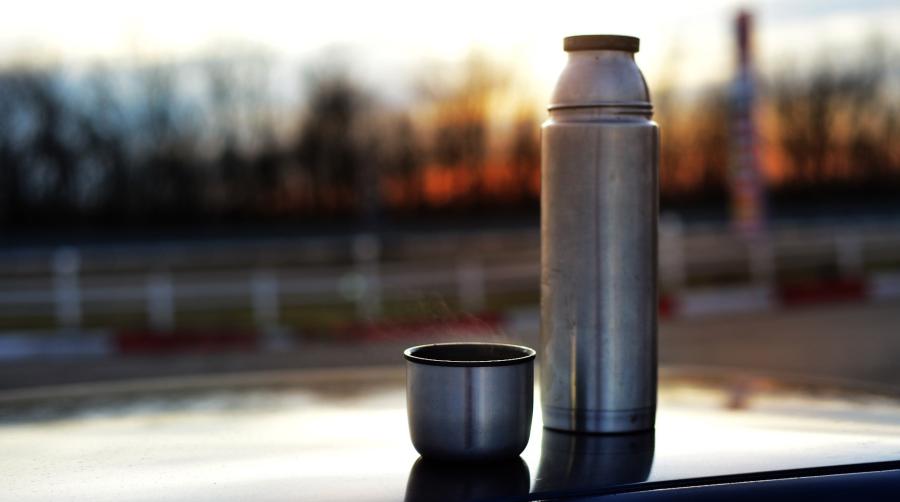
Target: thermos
{"points": [[599, 204]]}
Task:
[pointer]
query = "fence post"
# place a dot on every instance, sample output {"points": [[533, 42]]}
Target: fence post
{"points": [[762, 260], [160, 301], [849, 254], [67, 292], [366, 254], [266, 306], [470, 285], [672, 263]]}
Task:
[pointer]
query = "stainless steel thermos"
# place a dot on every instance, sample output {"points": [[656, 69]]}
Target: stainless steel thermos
{"points": [[599, 203]]}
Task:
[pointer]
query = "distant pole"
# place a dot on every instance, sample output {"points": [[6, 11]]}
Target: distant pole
{"points": [[748, 212], [67, 292]]}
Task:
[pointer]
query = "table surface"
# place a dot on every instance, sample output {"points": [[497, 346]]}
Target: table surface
{"points": [[342, 435]]}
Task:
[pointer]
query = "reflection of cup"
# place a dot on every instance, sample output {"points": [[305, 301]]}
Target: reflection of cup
{"points": [[469, 401], [434, 480], [584, 461]]}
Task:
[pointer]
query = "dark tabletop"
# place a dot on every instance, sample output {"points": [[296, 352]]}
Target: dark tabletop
{"points": [[341, 435]]}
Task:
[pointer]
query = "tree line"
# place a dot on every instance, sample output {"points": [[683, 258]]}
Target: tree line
{"points": [[210, 141]]}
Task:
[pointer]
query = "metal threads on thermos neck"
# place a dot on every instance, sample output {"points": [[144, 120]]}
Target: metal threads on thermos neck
{"points": [[598, 242]]}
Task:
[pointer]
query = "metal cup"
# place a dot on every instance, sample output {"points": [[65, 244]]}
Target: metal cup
{"points": [[469, 401]]}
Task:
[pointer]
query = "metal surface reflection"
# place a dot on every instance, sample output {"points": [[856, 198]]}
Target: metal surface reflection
{"points": [[469, 401], [599, 206], [586, 461], [433, 480]]}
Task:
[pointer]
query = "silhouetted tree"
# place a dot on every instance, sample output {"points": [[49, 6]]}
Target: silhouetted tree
{"points": [[167, 153], [709, 142], [831, 122], [329, 146], [461, 117], [525, 153], [201, 140], [401, 157]]}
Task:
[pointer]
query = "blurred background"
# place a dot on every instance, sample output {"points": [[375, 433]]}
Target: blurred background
{"points": [[210, 187]]}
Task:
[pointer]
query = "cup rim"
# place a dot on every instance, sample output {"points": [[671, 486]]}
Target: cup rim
{"points": [[526, 354]]}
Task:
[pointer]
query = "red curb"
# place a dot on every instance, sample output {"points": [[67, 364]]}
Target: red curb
{"points": [[156, 342], [818, 292], [667, 307]]}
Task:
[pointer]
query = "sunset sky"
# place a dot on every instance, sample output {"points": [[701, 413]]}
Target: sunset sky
{"points": [[386, 41]]}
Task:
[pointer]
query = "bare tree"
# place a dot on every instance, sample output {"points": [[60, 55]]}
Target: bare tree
{"points": [[820, 114], [167, 152], [461, 117], [329, 146], [525, 152]]}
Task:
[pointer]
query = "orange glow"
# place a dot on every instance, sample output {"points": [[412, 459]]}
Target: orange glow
{"points": [[500, 180], [442, 185], [393, 191]]}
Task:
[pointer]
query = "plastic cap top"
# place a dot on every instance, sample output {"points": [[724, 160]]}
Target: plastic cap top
{"points": [[601, 43]]}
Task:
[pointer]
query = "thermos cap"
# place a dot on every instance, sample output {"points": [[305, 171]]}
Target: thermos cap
{"points": [[602, 75], [601, 42]]}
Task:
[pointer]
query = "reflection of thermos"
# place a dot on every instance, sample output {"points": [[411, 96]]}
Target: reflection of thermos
{"points": [[598, 242], [434, 480], [585, 461]]}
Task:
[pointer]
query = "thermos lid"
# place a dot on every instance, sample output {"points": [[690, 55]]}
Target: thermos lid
{"points": [[601, 42], [602, 74]]}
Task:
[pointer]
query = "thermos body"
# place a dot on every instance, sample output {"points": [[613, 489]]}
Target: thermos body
{"points": [[599, 205]]}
